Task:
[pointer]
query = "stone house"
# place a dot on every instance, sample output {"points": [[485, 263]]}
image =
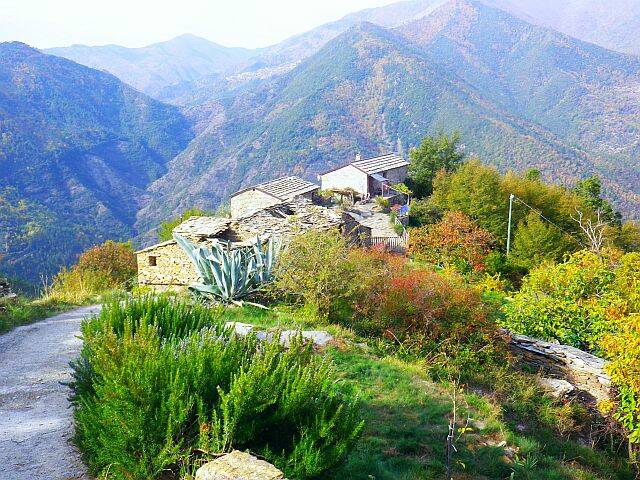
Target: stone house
{"points": [[165, 266], [371, 177], [258, 197]]}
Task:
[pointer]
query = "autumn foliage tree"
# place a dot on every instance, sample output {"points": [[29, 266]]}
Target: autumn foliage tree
{"points": [[102, 268], [455, 240]]}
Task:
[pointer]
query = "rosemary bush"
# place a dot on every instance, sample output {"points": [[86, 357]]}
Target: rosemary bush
{"points": [[158, 379]]}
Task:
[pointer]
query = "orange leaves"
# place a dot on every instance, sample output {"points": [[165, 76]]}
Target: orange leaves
{"points": [[455, 240]]}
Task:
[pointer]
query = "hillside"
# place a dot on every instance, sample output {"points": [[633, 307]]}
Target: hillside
{"points": [[176, 69], [586, 96], [359, 93], [163, 70], [78, 150]]}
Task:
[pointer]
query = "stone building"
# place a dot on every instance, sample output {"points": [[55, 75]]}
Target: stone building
{"points": [[371, 177], [166, 266], [258, 197]]}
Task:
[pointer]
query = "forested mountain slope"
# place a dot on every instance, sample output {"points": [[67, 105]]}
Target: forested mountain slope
{"points": [[77, 150], [585, 95]]}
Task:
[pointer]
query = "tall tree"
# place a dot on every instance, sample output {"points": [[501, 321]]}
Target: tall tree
{"points": [[475, 190], [590, 191], [441, 152]]}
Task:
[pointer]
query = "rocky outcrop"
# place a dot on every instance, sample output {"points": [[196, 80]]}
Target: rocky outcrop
{"points": [[318, 338], [5, 291], [238, 466], [585, 372]]}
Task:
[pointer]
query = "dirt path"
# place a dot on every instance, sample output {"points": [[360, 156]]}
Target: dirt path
{"points": [[35, 418]]}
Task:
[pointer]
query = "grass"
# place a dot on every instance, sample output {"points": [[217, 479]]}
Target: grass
{"points": [[514, 431], [23, 311]]}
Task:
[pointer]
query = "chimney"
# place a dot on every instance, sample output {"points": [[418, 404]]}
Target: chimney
{"points": [[358, 157]]}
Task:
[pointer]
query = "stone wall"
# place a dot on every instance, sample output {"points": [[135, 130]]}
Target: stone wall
{"points": [[583, 370], [165, 266], [285, 221], [396, 175]]}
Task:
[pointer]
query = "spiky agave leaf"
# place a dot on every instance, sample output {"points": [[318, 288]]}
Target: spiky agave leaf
{"points": [[228, 274]]}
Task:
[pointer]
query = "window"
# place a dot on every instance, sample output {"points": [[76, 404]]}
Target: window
{"points": [[153, 261]]}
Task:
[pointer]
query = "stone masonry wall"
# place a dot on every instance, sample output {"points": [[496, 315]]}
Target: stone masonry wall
{"points": [[583, 370], [397, 175], [172, 269]]}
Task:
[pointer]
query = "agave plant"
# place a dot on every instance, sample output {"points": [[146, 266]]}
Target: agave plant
{"points": [[230, 274]]}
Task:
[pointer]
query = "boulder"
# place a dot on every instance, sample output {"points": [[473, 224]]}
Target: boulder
{"points": [[238, 466], [5, 291], [557, 387]]}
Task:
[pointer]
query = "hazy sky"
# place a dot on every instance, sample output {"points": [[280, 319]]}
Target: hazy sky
{"points": [[247, 23]]}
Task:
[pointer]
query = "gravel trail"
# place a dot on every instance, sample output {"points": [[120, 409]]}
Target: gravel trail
{"points": [[36, 423]]}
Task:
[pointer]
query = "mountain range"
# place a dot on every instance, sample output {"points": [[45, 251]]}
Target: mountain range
{"points": [[160, 68], [94, 158]]}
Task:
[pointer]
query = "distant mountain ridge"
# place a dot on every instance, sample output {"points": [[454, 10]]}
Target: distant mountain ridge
{"points": [[187, 59], [149, 69]]}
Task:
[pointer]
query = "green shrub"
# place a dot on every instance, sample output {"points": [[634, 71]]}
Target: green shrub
{"points": [[456, 240], [158, 379], [572, 302], [423, 212], [429, 313], [319, 270], [383, 203]]}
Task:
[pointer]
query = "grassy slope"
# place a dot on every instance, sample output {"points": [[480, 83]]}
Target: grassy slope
{"points": [[407, 413], [24, 311]]}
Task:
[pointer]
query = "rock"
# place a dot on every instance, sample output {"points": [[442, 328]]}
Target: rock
{"points": [[5, 291], [239, 328], [581, 370], [317, 337], [557, 387], [238, 466]]}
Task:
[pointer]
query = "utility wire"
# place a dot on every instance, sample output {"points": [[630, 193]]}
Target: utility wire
{"points": [[539, 213]]}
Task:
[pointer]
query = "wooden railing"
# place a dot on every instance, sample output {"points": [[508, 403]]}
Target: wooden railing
{"points": [[393, 244]]}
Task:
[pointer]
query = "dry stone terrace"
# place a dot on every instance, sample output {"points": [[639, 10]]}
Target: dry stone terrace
{"points": [[582, 370]]}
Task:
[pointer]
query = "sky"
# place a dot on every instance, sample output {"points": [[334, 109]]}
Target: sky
{"points": [[135, 23]]}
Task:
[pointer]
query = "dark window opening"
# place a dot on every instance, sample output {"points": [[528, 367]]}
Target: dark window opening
{"points": [[153, 261]]}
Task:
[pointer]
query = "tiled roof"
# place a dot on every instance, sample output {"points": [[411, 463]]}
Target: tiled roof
{"points": [[202, 227], [283, 188], [381, 163]]}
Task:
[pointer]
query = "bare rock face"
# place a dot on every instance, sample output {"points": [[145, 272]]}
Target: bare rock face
{"points": [[238, 466]]}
